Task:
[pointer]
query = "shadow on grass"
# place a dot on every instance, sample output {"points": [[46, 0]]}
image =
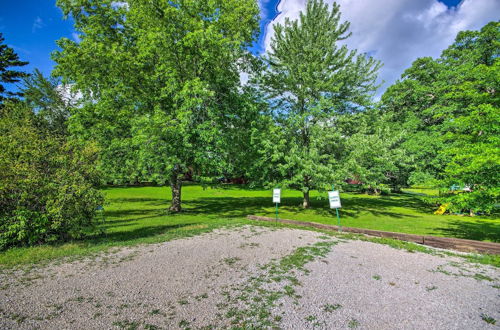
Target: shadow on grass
{"points": [[226, 207], [401, 206], [138, 233], [476, 230]]}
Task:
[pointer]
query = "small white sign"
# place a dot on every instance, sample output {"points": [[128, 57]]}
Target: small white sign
{"points": [[276, 195], [334, 198]]}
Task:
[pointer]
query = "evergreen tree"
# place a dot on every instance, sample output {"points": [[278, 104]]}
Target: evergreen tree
{"points": [[8, 59]]}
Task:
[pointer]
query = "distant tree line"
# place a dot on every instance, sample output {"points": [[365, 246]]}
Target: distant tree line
{"points": [[152, 90]]}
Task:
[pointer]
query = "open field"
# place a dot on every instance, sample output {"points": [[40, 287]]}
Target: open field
{"points": [[137, 215], [254, 277]]}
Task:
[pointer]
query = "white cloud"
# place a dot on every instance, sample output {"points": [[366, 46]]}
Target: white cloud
{"points": [[399, 31], [70, 96], [37, 24]]}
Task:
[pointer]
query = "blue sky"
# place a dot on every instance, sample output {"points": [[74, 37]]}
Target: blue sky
{"points": [[31, 27]]}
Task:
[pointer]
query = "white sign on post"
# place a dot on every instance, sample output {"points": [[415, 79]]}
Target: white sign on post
{"points": [[276, 195], [334, 198]]}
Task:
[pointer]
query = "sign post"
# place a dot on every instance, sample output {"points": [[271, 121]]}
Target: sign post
{"points": [[276, 200], [334, 198]]}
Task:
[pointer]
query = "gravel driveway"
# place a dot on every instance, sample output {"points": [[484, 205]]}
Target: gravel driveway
{"points": [[254, 277]]}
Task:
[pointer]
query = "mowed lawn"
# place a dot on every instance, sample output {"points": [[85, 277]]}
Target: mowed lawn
{"points": [[142, 210], [135, 215]]}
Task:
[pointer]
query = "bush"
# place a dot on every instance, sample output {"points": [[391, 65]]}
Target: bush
{"points": [[47, 185], [481, 200]]}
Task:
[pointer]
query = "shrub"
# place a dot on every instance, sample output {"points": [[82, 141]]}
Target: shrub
{"points": [[47, 184]]}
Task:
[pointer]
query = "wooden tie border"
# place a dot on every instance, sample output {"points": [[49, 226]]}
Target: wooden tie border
{"points": [[458, 244]]}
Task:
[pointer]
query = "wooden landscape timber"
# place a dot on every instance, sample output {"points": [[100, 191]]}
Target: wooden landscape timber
{"points": [[458, 244]]}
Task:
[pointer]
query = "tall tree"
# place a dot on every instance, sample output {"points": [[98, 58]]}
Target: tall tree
{"points": [[9, 59], [408, 105], [161, 79], [50, 100], [311, 80], [469, 106], [374, 155], [450, 107]]}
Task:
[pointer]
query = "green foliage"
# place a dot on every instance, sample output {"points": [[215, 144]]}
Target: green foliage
{"points": [[450, 107], [47, 185], [46, 97], [161, 83], [374, 156], [8, 59], [310, 81]]}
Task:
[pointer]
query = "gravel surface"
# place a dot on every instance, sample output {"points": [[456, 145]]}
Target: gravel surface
{"points": [[254, 276]]}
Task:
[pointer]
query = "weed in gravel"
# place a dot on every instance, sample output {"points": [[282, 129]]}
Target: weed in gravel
{"points": [[249, 245], [377, 277], [310, 318], [462, 272], [431, 288], [183, 302], [97, 315], [231, 261], [331, 307], [184, 324], [126, 324], [496, 286], [19, 318], [79, 299], [488, 319], [260, 299], [156, 312], [201, 296], [56, 307], [485, 259], [353, 323], [481, 277], [148, 326], [208, 327], [289, 290]]}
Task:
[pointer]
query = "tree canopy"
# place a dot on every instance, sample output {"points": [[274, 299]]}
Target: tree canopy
{"points": [[310, 80], [451, 107], [161, 81]]}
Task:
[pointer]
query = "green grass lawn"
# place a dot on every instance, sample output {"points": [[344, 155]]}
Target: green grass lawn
{"points": [[137, 215]]}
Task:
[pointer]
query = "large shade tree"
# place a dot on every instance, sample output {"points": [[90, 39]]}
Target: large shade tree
{"points": [[160, 80], [311, 80], [450, 106]]}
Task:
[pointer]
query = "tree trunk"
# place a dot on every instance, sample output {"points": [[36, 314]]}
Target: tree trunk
{"points": [[176, 185], [306, 204]]}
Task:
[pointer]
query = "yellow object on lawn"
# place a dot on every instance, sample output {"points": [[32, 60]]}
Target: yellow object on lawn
{"points": [[442, 209]]}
